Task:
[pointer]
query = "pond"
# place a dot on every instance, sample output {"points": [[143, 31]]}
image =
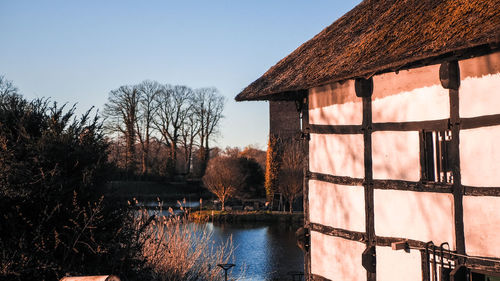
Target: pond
{"points": [[263, 251]]}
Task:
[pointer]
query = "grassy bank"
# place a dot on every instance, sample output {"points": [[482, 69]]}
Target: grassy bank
{"points": [[247, 216]]}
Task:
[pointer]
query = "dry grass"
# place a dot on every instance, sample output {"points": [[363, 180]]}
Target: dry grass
{"points": [[176, 249]]}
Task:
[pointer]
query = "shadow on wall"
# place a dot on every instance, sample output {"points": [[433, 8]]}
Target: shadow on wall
{"points": [[337, 258], [335, 104], [340, 155], [345, 205]]}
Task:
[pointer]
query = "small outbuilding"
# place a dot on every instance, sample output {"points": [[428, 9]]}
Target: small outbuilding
{"points": [[401, 121]]}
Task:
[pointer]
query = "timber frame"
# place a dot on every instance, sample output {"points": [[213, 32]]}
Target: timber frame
{"points": [[454, 124], [305, 190]]}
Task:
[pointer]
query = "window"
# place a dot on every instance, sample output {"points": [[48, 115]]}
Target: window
{"points": [[434, 156]]}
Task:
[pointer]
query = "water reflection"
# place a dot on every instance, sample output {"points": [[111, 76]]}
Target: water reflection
{"points": [[263, 251]]}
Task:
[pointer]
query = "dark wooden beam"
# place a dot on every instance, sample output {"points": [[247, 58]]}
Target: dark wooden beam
{"points": [[481, 191], [483, 265], [481, 121], [394, 184], [433, 125], [387, 241], [336, 179], [368, 183], [406, 185], [422, 155], [425, 265], [413, 186], [338, 232], [336, 129], [449, 75], [454, 152], [381, 241], [363, 87], [436, 125]]}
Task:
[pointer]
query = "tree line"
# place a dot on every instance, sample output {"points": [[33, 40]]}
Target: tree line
{"points": [[152, 124]]}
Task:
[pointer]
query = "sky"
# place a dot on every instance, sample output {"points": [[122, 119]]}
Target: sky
{"points": [[78, 51]]}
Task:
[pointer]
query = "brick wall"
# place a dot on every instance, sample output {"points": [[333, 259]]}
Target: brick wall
{"points": [[284, 119]]}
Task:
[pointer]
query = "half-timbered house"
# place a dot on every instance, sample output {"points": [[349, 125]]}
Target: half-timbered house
{"points": [[401, 122]]}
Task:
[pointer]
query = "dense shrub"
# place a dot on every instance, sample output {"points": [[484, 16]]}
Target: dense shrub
{"points": [[53, 220], [253, 186]]}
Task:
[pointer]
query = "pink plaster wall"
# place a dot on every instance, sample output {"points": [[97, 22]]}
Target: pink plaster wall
{"points": [[336, 258], [340, 155], [480, 66], [392, 83], [480, 96], [422, 216], [479, 155], [480, 86], [339, 206], [410, 95], [396, 155], [398, 265], [335, 104], [429, 103], [482, 225]]}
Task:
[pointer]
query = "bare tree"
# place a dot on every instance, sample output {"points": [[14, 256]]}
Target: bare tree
{"points": [[291, 173], [149, 90], [189, 131], [223, 177], [208, 104], [121, 117], [6, 87], [173, 105]]}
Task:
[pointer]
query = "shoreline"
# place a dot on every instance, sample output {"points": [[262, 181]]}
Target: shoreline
{"points": [[246, 216]]}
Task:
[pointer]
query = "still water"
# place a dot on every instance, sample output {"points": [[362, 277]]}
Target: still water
{"points": [[262, 251]]}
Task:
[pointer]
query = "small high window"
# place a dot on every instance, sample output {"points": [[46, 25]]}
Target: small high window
{"points": [[434, 156]]}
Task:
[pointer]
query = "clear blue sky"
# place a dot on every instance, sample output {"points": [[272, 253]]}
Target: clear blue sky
{"points": [[77, 51]]}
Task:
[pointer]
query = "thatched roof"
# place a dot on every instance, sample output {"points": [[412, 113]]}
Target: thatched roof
{"points": [[379, 36]]}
